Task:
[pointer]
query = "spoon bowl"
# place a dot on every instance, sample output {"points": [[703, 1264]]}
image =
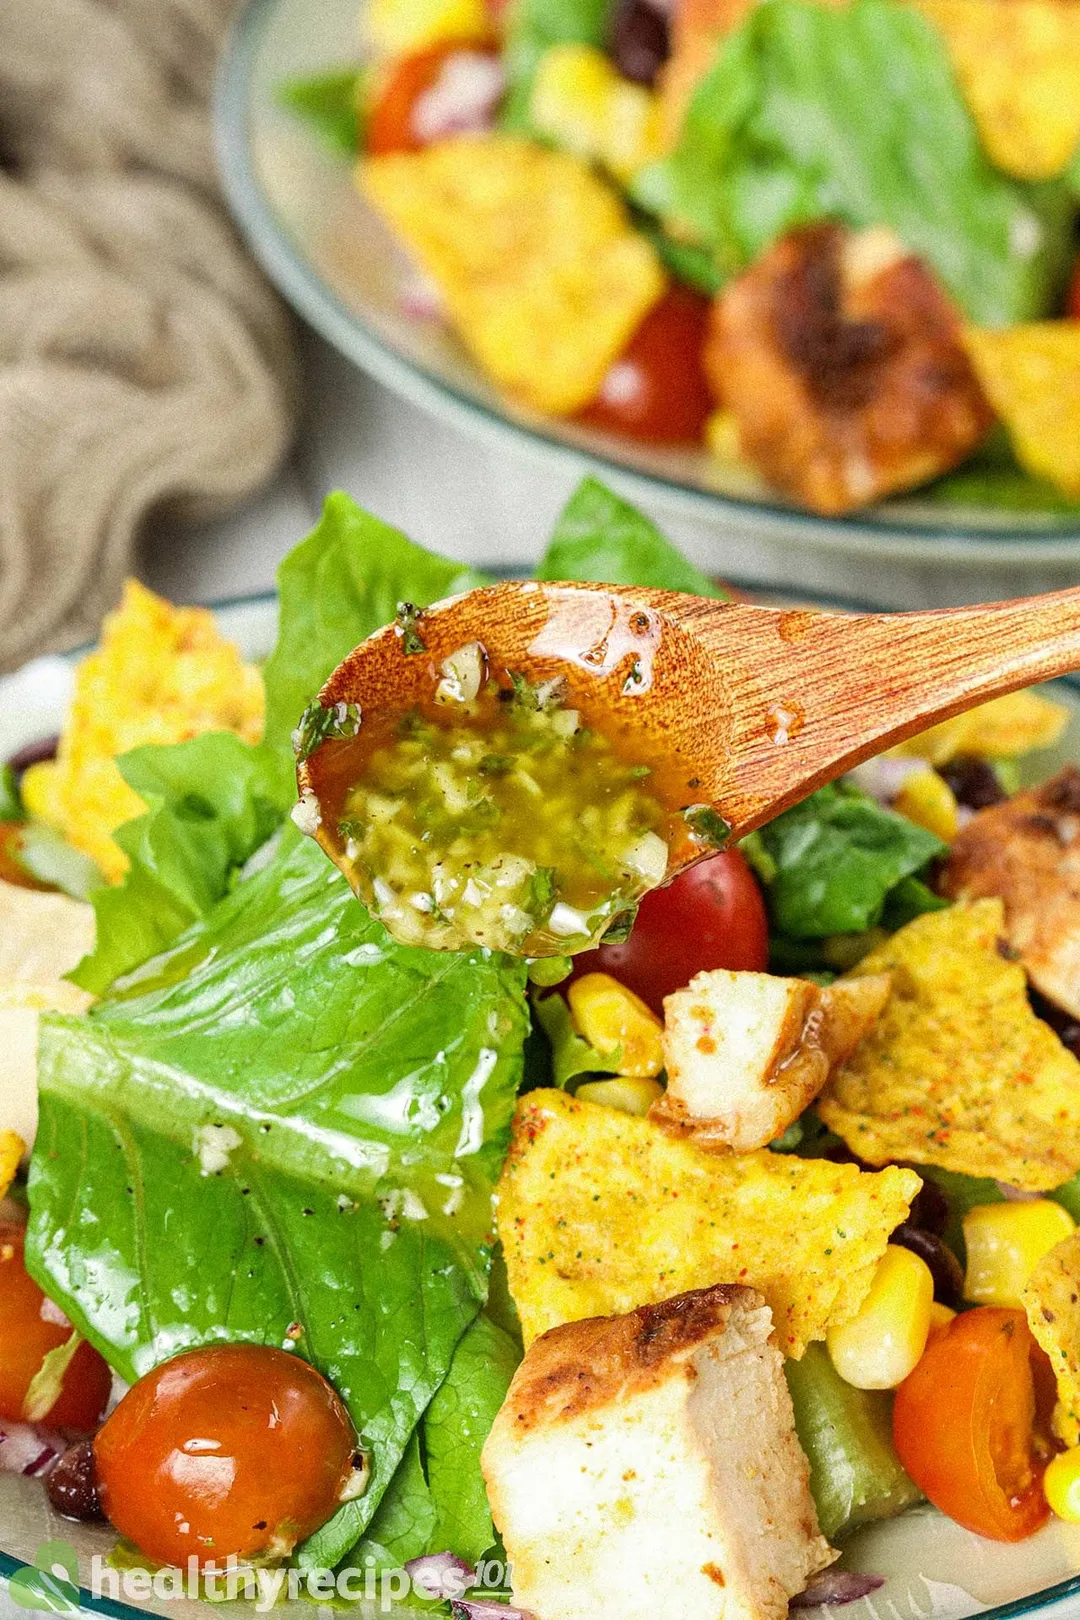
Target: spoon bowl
{"points": [[740, 709]]}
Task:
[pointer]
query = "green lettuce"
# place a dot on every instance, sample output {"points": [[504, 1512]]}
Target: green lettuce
{"points": [[830, 864], [210, 804], [456, 1424], [603, 539], [329, 103], [364, 1090], [336, 587], [570, 1054], [813, 113], [533, 27]]}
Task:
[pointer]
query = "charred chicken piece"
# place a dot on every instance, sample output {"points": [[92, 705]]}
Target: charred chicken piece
{"points": [[840, 358], [1027, 852]]}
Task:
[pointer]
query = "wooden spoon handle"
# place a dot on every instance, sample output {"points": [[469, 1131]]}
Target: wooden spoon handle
{"points": [[813, 694]]}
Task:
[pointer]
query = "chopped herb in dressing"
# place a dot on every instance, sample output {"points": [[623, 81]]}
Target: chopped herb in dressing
{"points": [[492, 816]]}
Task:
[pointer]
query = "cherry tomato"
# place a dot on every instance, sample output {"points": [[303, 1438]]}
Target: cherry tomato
{"points": [[657, 390], [1072, 302], [27, 1336], [970, 1429], [710, 916], [235, 1448], [390, 126]]}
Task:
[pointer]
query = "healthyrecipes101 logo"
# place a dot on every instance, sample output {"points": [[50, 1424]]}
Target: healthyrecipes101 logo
{"points": [[51, 1584]]}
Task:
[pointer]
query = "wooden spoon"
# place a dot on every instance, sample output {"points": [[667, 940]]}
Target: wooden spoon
{"points": [[744, 708]]}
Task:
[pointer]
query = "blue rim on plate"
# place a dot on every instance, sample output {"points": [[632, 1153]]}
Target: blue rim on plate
{"points": [[1037, 1603], [896, 531]]}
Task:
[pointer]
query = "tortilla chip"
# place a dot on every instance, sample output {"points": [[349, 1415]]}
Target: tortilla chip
{"points": [[400, 27], [601, 1211], [12, 1148], [1031, 376], [1018, 63], [959, 1071], [1052, 1302], [162, 674], [1002, 729], [542, 272]]}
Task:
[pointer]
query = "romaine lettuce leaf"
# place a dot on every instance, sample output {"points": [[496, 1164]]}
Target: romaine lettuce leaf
{"points": [[570, 1054], [209, 806], [337, 586], [329, 103], [533, 27], [830, 864], [854, 113], [455, 1426], [362, 1093], [601, 538]]}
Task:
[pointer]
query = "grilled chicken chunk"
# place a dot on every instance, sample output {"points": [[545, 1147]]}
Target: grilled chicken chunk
{"points": [[1027, 852], [839, 356], [746, 1053], [646, 1466]]}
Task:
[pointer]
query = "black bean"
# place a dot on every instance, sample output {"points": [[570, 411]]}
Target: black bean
{"points": [[35, 753], [974, 781], [639, 40], [930, 1210], [71, 1485], [945, 1268], [1064, 1025]]}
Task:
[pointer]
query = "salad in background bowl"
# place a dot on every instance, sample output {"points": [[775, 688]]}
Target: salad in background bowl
{"points": [[460, 1267], [835, 244]]}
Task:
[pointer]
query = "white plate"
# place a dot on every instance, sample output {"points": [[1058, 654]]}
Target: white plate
{"points": [[934, 1570], [332, 258]]}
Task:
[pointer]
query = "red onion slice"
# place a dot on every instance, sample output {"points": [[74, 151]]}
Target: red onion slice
{"points": [[440, 1575], [464, 98], [837, 1586], [35, 753], [27, 1449], [470, 1609], [884, 777]]}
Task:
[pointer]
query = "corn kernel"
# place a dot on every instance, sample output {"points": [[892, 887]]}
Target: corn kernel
{"points": [[884, 1341], [928, 800], [1061, 1485], [609, 1016], [580, 102], [628, 1095], [1005, 1242], [941, 1320]]}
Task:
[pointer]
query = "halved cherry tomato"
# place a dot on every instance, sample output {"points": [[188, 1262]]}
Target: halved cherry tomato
{"points": [[970, 1424], [1072, 302], [235, 1448], [657, 391], [390, 126], [711, 916], [27, 1336]]}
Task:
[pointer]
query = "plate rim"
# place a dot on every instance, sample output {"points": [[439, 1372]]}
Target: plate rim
{"points": [[315, 299], [1034, 1603]]}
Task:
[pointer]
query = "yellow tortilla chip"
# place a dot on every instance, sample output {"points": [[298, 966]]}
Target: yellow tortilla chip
{"points": [[542, 272], [1018, 63], [1052, 1302], [958, 1071], [12, 1148], [1002, 729], [399, 27], [601, 1211], [1031, 376], [162, 674]]}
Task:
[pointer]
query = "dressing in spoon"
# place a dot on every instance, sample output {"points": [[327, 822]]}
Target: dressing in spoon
{"points": [[515, 767]]}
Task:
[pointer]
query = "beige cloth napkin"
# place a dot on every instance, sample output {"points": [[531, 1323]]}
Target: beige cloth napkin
{"points": [[143, 360]]}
